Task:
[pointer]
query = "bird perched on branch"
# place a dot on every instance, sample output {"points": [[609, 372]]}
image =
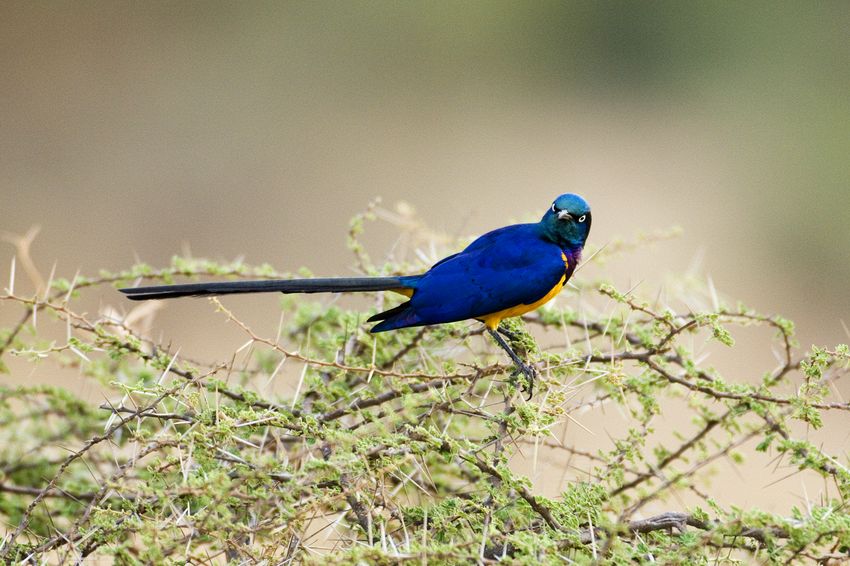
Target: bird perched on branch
{"points": [[504, 273]]}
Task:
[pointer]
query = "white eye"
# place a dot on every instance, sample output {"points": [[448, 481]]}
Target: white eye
{"points": [[582, 218], [553, 208]]}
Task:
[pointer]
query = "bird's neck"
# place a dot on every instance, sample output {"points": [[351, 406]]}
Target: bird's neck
{"points": [[571, 247]]}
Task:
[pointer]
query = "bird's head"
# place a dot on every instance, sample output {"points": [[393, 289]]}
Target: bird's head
{"points": [[567, 222]]}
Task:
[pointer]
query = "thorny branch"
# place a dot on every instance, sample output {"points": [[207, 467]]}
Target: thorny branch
{"points": [[395, 445]]}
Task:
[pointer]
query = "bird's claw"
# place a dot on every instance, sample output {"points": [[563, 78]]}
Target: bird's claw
{"points": [[530, 374]]}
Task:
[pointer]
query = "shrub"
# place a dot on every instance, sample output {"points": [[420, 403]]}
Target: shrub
{"points": [[403, 446]]}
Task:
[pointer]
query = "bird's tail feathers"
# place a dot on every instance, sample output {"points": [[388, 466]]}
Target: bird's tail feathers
{"points": [[328, 285]]}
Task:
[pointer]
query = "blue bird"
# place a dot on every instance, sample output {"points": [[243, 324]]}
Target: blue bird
{"points": [[504, 273]]}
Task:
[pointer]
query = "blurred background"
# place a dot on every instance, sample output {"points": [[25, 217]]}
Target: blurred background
{"points": [[256, 130]]}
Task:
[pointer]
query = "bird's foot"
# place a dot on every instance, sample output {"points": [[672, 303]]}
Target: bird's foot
{"points": [[530, 374]]}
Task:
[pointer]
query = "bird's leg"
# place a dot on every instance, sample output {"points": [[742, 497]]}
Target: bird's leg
{"points": [[521, 366], [511, 335]]}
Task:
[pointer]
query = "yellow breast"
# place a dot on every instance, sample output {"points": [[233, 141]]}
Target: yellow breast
{"points": [[492, 320]]}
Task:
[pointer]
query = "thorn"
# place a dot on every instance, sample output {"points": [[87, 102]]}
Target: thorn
{"points": [[298, 387], [11, 288], [715, 302], [593, 255], [71, 287], [49, 283], [168, 367]]}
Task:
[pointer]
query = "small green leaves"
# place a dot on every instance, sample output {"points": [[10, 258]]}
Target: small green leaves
{"points": [[722, 335], [320, 443]]}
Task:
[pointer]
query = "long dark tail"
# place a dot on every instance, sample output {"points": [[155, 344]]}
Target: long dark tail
{"points": [[331, 285]]}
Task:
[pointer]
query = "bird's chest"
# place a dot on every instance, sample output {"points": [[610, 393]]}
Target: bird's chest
{"points": [[492, 320], [569, 266]]}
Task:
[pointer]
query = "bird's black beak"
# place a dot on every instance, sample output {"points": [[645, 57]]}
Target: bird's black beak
{"points": [[564, 215]]}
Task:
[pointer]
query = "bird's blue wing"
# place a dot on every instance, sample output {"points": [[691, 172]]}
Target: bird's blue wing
{"points": [[505, 268]]}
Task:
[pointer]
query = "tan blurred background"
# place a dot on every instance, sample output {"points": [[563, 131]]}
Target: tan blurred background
{"points": [[259, 129]]}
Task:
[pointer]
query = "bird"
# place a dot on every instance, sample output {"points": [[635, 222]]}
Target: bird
{"points": [[504, 273]]}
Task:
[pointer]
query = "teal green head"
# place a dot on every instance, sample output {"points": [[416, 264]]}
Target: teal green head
{"points": [[567, 222]]}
